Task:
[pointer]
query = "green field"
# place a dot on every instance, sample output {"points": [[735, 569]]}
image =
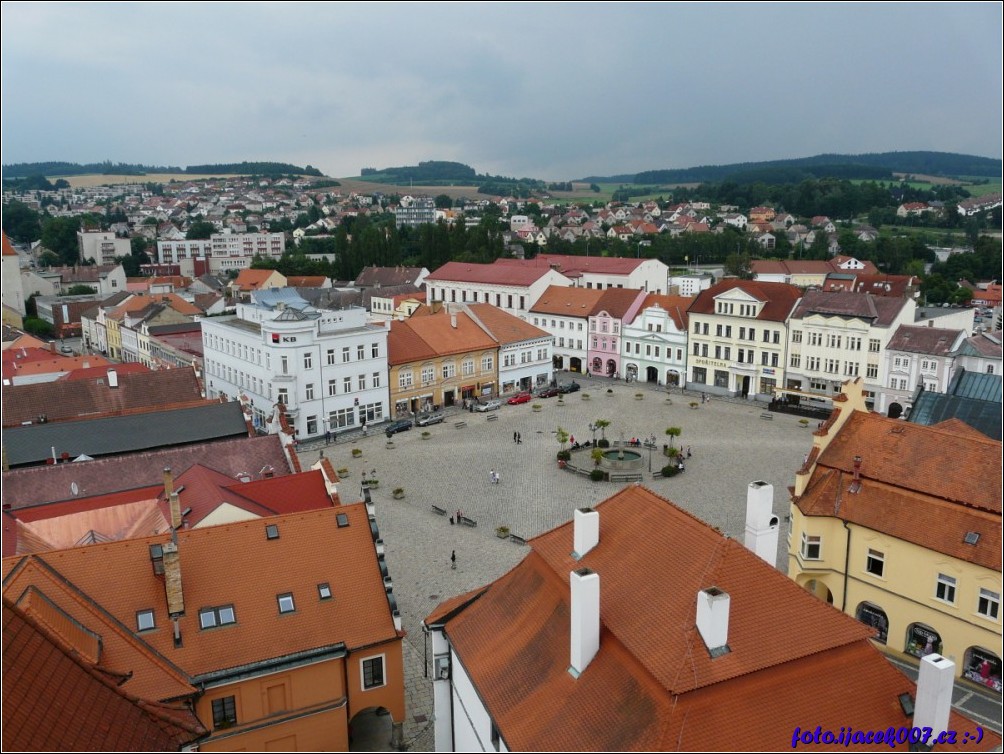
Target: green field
{"points": [[984, 187]]}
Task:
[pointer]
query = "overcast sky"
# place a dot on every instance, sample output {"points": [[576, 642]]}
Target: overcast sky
{"points": [[549, 91]]}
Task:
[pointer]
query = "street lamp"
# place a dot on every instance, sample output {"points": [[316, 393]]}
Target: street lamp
{"points": [[592, 428]]}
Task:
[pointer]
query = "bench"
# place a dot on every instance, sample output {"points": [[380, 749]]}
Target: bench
{"points": [[438, 511], [625, 477], [467, 521], [517, 539], [460, 425], [492, 417], [657, 474], [767, 415]]}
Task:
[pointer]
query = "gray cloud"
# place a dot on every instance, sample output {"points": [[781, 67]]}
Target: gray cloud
{"points": [[548, 90]]}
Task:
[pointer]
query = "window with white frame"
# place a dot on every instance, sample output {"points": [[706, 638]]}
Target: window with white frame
{"points": [[449, 370], [343, 417], [346, 384], [404, 379], [875, 563], [308, 391], [332, 387], [989, 604], [944, 590], [812, 546], [308, 361], [428, 375], [361, 381], [467, 367], [487, 363], [376, 379], [871, 371], [331, 356], [360, 352]]}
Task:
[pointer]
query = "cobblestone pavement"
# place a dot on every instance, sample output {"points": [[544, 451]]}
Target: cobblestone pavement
{"points": [[731, 447]]}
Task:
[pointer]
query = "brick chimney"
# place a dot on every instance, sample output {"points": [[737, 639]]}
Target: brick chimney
{"points": [[585, 532], [934, 692], [585, 628], [713, 619]]}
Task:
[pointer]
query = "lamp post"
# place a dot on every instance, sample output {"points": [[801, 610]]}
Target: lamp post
{"points": [[592, 428]]}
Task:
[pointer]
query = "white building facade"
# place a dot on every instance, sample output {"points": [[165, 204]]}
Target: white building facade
{"points": [[102, 246], [512, 288], [837, 336], [655, 345], [222, 251], [916, 356], [329, 368]]}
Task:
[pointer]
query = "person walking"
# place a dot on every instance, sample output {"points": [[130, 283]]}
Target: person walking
{"points": [[491, 476], [519, 438], [453, 560], [497, 477], [515, 436]]}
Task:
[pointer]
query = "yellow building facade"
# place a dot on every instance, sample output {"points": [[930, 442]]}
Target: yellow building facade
{"points": [[888, 532]]}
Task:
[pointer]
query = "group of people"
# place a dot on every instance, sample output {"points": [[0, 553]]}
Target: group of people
{"points": [[517, 438]]}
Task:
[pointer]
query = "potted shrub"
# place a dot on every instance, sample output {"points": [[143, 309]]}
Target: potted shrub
{"points": [[426, 435], [356, 452], [804, 422], [610, 391], [389, 444], [343, 473], [502, 532], [694, 404], [670, 470], [597, 475], [536, 408], [596, 455], [639, 396], [585, 396], [564, 455], [398, 493]]}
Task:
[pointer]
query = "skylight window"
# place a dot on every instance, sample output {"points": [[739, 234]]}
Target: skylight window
{"points": [[145, 620], [210, 617], [271, 531], [324, 591], [286, 604], [972, 537], [342, 519]]}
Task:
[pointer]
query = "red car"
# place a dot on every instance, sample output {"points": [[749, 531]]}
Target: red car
{"points": [[521, 398]]}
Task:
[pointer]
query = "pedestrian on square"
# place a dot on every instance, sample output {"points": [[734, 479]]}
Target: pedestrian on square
{"points": [[451, 520], [688, 451], [519, 438], [497, 477], [515, 436], [491, 476], [453, 560]]}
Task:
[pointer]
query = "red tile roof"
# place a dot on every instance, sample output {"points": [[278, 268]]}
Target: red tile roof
{"points": [[575, 266], [653, 684], [66, 400], [509, 272], [675, 306], [44, 484], [929, 340], [880, 311], [84, 708], [93, 373], [430, 336], [504, 327], [906, 494], [779, 298]]}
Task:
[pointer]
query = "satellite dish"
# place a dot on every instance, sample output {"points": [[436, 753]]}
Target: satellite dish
{"points": [[74, 488]]}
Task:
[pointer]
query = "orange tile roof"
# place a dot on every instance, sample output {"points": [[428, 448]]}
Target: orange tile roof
{"points": [[653, 684], [427, 337], [505, 327], [234, 564], [8, 247], [906, 494], [568, 302], [617, 302], [252, 280], [676, 306], [85, 709]]}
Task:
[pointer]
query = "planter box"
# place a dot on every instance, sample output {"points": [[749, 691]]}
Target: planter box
{"points": [[398, 495]]}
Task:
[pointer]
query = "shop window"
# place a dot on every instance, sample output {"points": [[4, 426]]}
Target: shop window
{"points": [[922, 640], [874, 616], [983, 667]]}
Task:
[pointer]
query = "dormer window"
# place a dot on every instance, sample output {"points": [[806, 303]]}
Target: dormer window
{"points": [[145, 620]]}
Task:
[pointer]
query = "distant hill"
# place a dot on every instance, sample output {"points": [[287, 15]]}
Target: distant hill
{"points": [[877, 166], [25, 169], [442, 173]]}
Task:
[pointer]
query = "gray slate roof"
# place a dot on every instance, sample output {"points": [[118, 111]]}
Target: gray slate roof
{"points": [[123, 434], [972, 398]]}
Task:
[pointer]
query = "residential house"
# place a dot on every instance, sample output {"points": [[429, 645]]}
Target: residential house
{"points": [[525, 351], [511, 285], [308, 281], [637, 627], [564, 313], [222, 251], [970, 207], [28, 365], [655, 341], [102, 247], [440, 356], [908, 546], [689, 285], [761, 214], [739, 337], [839, 336], [249, 281], [268, 658], [806, 272], [915, 356], [606, 322], [736, 220], [328, 368], [981, 353]]}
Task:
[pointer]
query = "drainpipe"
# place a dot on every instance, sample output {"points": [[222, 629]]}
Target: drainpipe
{"points": [[847, 555]]}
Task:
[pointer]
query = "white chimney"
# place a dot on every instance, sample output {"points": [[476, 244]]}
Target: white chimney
{"points": [[761, 523], [113, 378], [713, 619], [934, 692], [585, 631], [453, 321], [585, 531]]}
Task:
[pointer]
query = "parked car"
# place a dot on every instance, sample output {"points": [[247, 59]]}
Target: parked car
{"points": [[568, 387], [547, 392], [520, 398], [488, 406], [399, 426], [429, 420]]}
